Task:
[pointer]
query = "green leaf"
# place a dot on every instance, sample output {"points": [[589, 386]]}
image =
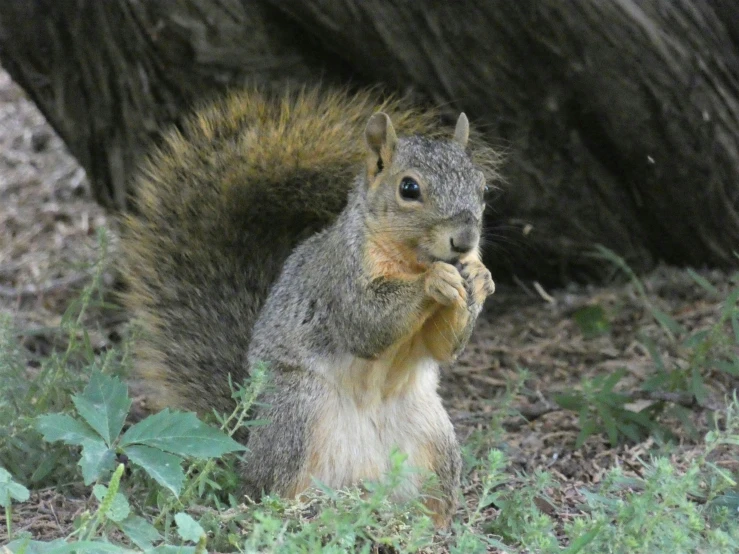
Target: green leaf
{"points": [[10, 490], [61, 427], [164, 468], [169, 549], [613, 399], [50, 462], [570, 401], [97, 459], [187, 528], [667, 323], [609, 422], [142, 533], [592, 321], [732, 368], [612, 380], [697, 387], [730, 303], [59, 546], [94, 547], [695, 339], [587, 428], [704, 283], [119, 509], [656, 382], [582, 541], [27, 546], [684, 415], [104, 405], [180, 433], [651, 347], [729, 500], [640, 418], [735, 327], [628, 430]]}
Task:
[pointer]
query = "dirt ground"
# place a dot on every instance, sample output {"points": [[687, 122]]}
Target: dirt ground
{"points": [[48, 224]]}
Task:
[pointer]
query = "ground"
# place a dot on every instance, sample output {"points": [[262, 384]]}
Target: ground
{"points": [[48, 224]]}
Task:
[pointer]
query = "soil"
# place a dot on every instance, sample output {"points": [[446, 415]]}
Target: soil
{"points": [[48, 239]]}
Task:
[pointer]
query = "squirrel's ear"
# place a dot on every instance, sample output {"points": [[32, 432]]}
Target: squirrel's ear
{"points": [[462, 131], [381, 139]]}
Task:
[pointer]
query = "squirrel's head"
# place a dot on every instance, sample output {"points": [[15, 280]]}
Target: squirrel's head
{"points": [[424, 193]]}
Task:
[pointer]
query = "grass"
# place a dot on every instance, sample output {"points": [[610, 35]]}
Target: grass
{"points": [[667, 503]]}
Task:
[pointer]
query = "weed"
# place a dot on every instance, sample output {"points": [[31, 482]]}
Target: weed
{"points": [[602, 408], [25, 395], [9, 491]]}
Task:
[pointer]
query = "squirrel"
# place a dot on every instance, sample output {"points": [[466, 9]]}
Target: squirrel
{"points": [[267, 231]]}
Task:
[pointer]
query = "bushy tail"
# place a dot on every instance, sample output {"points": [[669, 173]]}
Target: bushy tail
{"points": [[219, 207]]}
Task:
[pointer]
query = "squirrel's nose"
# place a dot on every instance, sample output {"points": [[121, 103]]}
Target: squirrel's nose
{"points": [[463, 241]]}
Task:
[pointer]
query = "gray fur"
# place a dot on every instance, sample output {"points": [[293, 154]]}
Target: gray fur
{"points": [[323, 305]]}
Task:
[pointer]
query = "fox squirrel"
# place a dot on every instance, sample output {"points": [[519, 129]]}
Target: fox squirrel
{"points": [[236, 256]]}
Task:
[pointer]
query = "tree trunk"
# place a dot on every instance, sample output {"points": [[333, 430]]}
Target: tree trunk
{"points": [[620, 119], [110, 75]]}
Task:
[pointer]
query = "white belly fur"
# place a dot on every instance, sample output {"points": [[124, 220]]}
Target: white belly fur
{"points": [[371, 407]]}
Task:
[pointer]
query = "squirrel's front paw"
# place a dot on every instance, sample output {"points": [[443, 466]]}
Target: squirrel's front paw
{"points": [[445, 284], [479, 280]]}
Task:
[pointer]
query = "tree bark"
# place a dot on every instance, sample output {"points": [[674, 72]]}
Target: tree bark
{"points": [[110, 75], [619, 119]]}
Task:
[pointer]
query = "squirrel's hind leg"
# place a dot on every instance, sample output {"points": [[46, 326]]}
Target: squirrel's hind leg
{"points": [[277, 449]]}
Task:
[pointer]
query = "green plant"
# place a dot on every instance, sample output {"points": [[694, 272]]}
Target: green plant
{"points": [[592, 321], [158, 445], [666, 510], [714, 348], [9, 491], [113, 508], [503, 406], [520, 520], [599, 407], [27, 393], [662, 511]]}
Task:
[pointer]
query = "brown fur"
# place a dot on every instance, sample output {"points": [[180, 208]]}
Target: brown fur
{"points": [[390, 258], [252, 173]]}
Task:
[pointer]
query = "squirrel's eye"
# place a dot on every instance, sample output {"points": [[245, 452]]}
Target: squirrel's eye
{"points": [[410, 189]]}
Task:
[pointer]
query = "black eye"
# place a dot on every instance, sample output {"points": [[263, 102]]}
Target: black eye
{"points": [[409, 189]]}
